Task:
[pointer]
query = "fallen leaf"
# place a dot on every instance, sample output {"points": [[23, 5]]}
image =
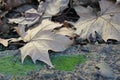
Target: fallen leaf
{"points": [[83, 12], [42, 7], [29, 18], [20, 29], [68, 14], [4, 28], [2, 3], [117, 1], [4, 42], [15, 3], [106, 23], [41, 39], [55, 6]]}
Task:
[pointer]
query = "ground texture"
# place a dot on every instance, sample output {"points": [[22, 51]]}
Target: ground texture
{"points": [[103, 63]]}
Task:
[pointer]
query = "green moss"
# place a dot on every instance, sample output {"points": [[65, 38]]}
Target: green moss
{"points": [[11, 67], [67, 63], [8, 66]]}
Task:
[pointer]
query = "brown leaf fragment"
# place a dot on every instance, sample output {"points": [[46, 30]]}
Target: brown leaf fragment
{"points": [[20, 29], [55, 6], [29, 17], [4, 28], [4, 42], [68, 14], [9, 4]]}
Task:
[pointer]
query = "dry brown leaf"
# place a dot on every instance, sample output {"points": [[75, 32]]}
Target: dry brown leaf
{"points": [[107, 23], [4, 42], [55, 6], [41, 39], [31, 16], [20, 30], [4, 28], [15, 3], [83, 12]]}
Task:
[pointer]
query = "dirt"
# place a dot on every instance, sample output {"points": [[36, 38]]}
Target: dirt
{"points": [[103, 63]]}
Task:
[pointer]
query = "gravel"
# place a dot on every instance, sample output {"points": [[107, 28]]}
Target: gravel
{"points": [[103, 63]]}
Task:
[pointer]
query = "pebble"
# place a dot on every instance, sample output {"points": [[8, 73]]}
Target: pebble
{"points": [[105, 70], [1, 76]]}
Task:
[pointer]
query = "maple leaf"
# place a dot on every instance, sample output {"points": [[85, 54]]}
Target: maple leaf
{"points": [[107, 23], [41, 39]]}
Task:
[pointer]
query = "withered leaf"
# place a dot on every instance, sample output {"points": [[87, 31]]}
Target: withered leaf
{"points": [[20, 29], [29, 18], [55, 6], [4, 42], [107, 23], [4, 28], [41, 39], [117, 1], [68, 14], [15, 3]]}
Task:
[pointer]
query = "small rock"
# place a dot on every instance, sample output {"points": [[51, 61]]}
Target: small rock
{"points": [[85, 49], [105, 70], [1, 76]]}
